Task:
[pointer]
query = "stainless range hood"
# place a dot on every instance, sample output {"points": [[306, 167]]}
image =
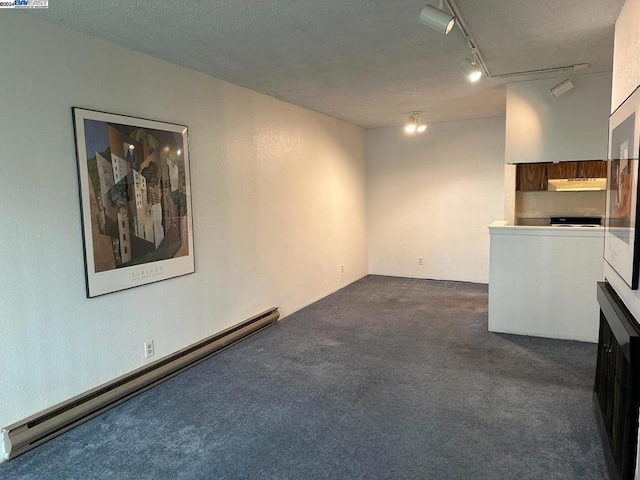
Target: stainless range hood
{"points": [[577, 184]]}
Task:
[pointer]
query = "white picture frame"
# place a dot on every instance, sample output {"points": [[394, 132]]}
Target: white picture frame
{"points": [[621, 228]]}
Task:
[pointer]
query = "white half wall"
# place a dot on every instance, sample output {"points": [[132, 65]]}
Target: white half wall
{"points": [[432, 196], [279, 205]]}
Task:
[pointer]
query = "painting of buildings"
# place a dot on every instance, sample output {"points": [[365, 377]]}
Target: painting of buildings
{"points": [[138, 190]]}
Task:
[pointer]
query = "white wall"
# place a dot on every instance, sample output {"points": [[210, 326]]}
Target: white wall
{"points": [[279, 204], [542, 128], [626, 51], [433, 196], [626, 77]]}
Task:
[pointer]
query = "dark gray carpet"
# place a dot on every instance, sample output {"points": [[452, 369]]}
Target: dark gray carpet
{"points": [[388, 378]]}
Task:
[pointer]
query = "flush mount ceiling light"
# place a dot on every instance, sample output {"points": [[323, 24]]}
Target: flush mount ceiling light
{"points": [[471, 69], [414, 124], [561, 88], [437, 18]]}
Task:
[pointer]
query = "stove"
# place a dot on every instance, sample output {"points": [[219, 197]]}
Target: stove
{"points": [[557, 221]]}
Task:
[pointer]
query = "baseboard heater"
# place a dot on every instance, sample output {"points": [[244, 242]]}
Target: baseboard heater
{"points": [[37, 429]]}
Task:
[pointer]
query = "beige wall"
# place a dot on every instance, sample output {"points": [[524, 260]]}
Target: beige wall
{"points": [[278, 207], [433, 196]]}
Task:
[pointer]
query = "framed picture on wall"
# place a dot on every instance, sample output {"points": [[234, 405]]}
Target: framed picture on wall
{"points": [[621, 248], [135, 198]]}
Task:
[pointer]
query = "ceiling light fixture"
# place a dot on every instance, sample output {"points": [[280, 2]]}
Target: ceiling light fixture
{"points": [[470, 68], [414, 124], [437, 18], [474, 68], [561, 88], [479, 60]]}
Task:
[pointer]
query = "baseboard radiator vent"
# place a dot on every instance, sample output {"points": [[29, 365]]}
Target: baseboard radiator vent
{"points": [[41, 427]]}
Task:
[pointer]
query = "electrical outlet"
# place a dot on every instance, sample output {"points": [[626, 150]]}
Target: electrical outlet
{"points": [[420, 261], [148, 349], [342, 269]]}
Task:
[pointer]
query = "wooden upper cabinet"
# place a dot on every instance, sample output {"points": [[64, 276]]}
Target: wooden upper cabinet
{"points": [[562, 170], [593, 169], [534, 177], [531, 177], [587, 169]]}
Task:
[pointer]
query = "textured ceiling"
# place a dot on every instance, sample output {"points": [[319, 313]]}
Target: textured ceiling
{"points": [[367, 61]]}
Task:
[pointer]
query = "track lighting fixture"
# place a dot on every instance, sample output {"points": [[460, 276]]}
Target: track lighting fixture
{"points": [[475, 67], [471, 69], [561, 88], [440, 20], [414, 124], [437, 18]]}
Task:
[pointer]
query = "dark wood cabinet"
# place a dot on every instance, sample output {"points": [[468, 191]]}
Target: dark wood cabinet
{"points": [[531, 177], [616, 389], [562, 170], [593, 169]]}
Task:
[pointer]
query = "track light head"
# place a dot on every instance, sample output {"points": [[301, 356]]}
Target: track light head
{"points": [[437, 19], [561, 88], [471, 70]]}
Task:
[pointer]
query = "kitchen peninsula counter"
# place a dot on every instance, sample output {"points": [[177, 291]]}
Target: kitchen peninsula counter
{"points": [[542, 280]]}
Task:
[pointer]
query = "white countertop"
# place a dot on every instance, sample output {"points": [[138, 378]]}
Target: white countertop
{"points": [[501, 227]]}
